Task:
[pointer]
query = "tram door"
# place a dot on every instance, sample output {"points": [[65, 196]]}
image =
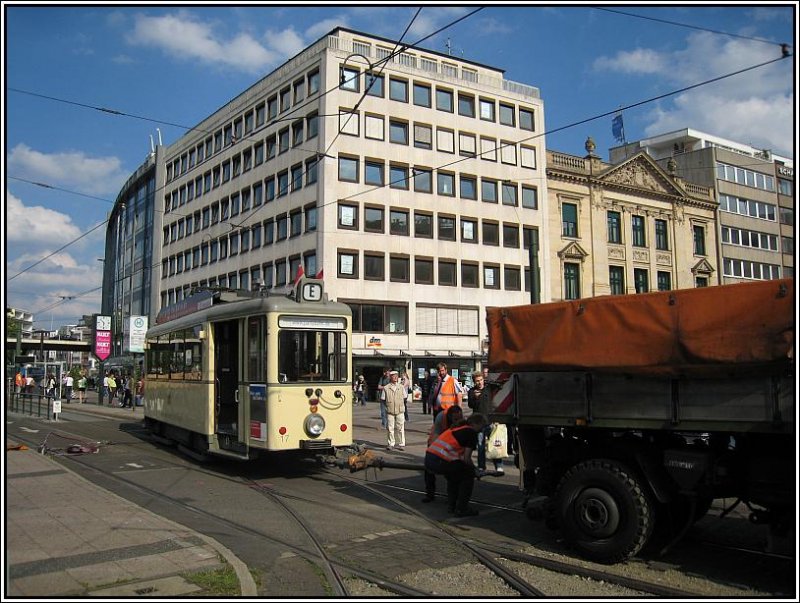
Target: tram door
{"points": [[226, 377]]}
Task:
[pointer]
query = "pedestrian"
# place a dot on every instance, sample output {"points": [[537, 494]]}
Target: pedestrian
{"points": [[69, 382], [50, 386], [405, 380], [19, 382], [81, 388], [360, 391], [139, 396], [30, 384], [451, 455], [427, 386], [447, 391], [381, 399], [443, 422], [126, 398], [394, 394], [112, 389], [478, 400], [106, 388]]}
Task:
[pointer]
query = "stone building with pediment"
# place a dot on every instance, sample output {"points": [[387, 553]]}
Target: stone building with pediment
{"points": [[630, 227]]}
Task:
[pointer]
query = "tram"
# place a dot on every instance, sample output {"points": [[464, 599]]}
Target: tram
{"points": [[241, 374]]}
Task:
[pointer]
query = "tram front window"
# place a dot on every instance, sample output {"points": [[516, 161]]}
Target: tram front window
{"points": [[312, 356]]}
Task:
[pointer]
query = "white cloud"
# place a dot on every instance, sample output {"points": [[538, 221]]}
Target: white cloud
{"points": [[286, 43], [36, 225], [640, 60], [318, 30], [754, 107], [73, 169]]}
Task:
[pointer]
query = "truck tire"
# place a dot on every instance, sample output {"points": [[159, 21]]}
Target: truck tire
{"points": [[603, 511]]}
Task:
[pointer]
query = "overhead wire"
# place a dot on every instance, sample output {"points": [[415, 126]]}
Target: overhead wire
{"points": [[376, 187]]}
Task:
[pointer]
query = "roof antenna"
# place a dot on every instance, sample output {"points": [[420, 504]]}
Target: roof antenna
{"points": [[161, 144]]}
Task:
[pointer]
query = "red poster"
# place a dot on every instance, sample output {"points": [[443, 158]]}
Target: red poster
{"points": [[102, 344]]}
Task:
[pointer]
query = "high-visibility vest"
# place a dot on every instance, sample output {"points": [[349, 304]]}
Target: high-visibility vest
{"points": [[446, 446], [447, 394]]}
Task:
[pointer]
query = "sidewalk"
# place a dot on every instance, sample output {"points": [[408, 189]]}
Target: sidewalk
{"points": [[67, 537]]}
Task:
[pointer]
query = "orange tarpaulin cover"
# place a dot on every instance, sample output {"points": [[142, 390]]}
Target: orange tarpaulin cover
{"points": [[668, 333]]}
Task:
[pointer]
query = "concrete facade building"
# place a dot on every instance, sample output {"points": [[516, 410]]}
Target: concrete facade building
{"points": [[632, 227], [412, 181], [755, 190]]}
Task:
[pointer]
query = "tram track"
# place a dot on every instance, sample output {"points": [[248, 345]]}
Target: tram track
{"points": [[337, 571]]}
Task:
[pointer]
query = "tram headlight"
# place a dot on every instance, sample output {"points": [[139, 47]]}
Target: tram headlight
{"points": [[314, 425]]}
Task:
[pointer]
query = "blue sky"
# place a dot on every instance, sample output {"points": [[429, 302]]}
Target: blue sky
{"points": [[180, 63]]}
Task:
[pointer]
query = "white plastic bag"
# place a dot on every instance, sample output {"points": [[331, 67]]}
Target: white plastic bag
{"points": [[497, 443]]}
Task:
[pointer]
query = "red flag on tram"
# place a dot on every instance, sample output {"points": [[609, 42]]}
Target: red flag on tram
{"points": [[320, 274]]}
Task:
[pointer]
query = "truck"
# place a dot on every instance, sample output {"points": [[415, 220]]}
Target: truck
{"points": [[633, 413]]}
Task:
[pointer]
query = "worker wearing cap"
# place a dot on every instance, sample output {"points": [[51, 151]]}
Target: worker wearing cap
{"points": [[395, 394]]}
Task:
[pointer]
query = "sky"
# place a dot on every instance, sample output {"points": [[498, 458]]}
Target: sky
{"points": [[167, 66]]}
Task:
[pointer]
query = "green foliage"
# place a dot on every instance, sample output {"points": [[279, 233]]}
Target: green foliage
{"points": [[221, 581]]}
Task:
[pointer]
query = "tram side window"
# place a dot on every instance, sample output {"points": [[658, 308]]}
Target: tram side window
{"points": [[177, 355], [158, 357], [256, 349], [312, 356]]}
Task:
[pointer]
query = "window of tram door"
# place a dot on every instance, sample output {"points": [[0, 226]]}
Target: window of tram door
{"points": [[307, 356], [256, 349]]}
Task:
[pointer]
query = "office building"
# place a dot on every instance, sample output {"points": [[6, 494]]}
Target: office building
{"points": [[755, 191], [412, 181]]}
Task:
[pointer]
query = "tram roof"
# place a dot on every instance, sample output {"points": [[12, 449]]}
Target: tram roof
{"points": [[215, 306]]}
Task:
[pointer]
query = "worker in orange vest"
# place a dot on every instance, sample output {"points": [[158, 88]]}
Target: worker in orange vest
{"points": [[451, 455], [446, 392], [443, 422]]}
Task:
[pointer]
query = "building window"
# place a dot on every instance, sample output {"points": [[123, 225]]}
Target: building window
{"points": [[398, 222], [445, 184], [374, 267], [373, 172], [699, 234], [348, 264], [468, 187], [637, 228], [398, 90], [511, 236], [491, 277], [530, 197], [445, 140], [701, 281], [373, 219], [664, 281], [312, 126], [373, 126], [423, 225], [491, 233], [486, 109], [447, 228], [296, 223], [466, 105], [469, 230], [374, 84], [297, 133], [572, 285], [399, 269], [348, 169], [313, 82], [614, 221], [423, 271], [569, 220], [507, 114], [640, 280], [398, 177], [379, 318], [469, 275], [662, 239], [311, 218], [526, 119], [423, 180], [398, 132], [423, 136], [488, 190], [444, 100], [348, 216], [422, 95], [616, 280], [447, 273], [348, 79], [512, 278], [509, 192], [466, 144]]}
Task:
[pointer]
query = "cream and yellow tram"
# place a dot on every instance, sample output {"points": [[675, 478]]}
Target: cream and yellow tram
{"points": [[241, 373]]}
